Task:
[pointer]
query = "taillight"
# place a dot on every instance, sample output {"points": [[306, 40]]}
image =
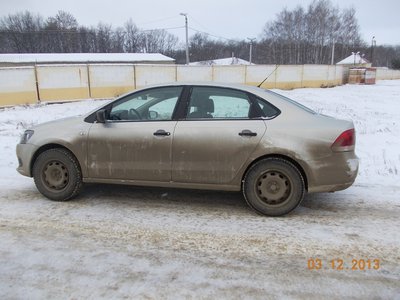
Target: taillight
{"points": [[345, 141]]}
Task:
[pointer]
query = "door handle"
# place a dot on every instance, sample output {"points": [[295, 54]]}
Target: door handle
{"points": [[247, 132], [161, 132]]}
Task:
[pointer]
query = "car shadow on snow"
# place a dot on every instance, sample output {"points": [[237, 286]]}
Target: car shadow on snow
{"points": [[330, 202], [156, 197], [198, 199], [132, 197]]}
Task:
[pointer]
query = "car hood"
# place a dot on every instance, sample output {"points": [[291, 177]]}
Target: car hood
{"points": [[59, 131], [56, 123]]}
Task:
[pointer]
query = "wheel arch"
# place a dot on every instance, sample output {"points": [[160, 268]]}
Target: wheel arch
{"points": [[280, 156], [46, 147]]}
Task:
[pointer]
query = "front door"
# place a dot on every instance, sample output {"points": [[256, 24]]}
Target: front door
{"points": [[135, 142]]}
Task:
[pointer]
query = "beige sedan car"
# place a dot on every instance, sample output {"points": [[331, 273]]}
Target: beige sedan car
{"points": [[196, 136]]}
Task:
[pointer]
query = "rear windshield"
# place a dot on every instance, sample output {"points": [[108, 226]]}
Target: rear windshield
{"points": [[291, 101]]}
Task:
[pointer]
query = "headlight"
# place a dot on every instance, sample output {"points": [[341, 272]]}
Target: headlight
{"points": [[26, 136]]}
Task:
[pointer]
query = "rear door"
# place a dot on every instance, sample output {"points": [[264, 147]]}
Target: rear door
{"points": [[216, 137]]}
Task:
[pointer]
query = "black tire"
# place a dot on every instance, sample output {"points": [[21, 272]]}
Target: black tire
{"points": [[57, 174], [273, 187]]}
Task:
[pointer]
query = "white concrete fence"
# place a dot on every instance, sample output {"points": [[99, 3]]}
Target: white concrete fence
{"points": [[52, 83]]}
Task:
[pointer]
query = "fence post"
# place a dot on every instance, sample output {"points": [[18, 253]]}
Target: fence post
{"points": [[88, 79], [134, 77], [245, 74], [37, 83], [327, 75]]}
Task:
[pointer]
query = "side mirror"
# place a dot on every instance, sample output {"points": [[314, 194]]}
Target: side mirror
{"points": [[101, 116], [153, 115]]}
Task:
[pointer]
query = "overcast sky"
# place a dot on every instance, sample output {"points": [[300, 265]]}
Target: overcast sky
{"points": [[236, 19]]}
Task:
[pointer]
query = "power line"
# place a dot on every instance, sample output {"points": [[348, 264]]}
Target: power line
{"points": [[79, 31], [157, 20], [168, 28], [208, 31], [216, 36], [197, 22]]}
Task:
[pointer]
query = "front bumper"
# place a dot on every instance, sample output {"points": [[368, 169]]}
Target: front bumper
{"points": [[25, 154]]}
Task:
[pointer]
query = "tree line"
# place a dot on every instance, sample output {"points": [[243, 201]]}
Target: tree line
{"points": [[303, 35], [25, 32]]}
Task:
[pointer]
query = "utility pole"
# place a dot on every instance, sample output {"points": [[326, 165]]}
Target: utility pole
{"points": [[333, 52], [146, 44], [373, 44], [187, 37], [251, 48]]}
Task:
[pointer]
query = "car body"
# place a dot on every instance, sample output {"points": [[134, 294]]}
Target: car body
{"points": [[198, 136]]}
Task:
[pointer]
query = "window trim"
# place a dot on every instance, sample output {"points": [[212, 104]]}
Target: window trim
{"points": [[256, 98], [92, 117], [251, 97], [182, 106]]}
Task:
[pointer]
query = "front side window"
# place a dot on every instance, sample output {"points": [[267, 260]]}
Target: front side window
{"points": [[148, 105], [218, 103]]}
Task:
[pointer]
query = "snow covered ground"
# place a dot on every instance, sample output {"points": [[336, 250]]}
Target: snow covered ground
{"points": [[128, 242]]}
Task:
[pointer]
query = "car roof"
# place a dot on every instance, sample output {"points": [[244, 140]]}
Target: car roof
{"points": [[261, 92], [206, 83]]}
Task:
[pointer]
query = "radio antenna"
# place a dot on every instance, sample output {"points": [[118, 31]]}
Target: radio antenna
{"points": [[276, 68]]}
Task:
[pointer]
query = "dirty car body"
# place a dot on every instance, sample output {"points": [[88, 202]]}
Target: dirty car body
{"points": [[197, 136]]}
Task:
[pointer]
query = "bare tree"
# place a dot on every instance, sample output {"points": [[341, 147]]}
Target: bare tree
{"points": [[23, 31], [158, 41], [307, 36], [104, 38], [118, 40], [133, 37], [87, 39], [62, 33]]}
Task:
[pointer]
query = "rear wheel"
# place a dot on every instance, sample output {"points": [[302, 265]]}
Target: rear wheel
{"points": [[57, 174], [273, 187]]}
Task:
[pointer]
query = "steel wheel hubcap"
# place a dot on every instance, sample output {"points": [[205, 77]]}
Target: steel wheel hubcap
{"points": [[55, 175], [273, 187]]}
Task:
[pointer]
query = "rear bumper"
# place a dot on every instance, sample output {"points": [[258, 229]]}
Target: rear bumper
{"points": [[334, 173], [329, 188], [24, 155]]}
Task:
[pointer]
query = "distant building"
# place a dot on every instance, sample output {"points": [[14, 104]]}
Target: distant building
{"points": [[28, 59], [355, 59], [357, 69], [221, 62]]}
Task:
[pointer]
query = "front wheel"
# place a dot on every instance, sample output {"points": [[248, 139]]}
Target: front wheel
{"points": [[57, 174], [273, 187]]}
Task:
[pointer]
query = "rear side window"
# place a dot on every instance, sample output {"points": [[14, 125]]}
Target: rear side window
{"points": [[218, 103], [267, 109]]}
